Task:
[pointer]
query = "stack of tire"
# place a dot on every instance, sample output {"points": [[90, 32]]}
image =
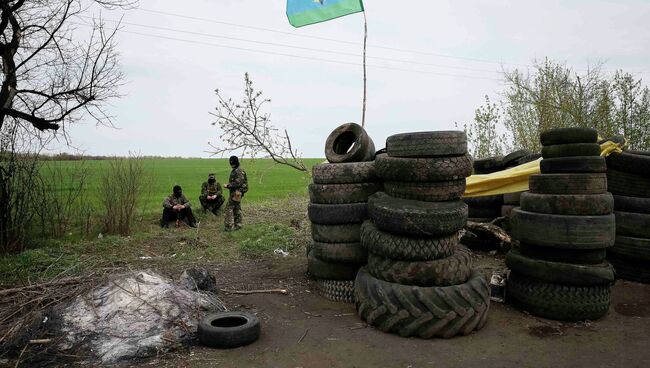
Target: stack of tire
{"points": [[419, 280], [338, 205], [564, 225], [628, 178], [485, 208]]}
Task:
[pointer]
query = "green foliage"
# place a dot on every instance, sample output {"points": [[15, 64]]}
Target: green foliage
{"points": [[484, 140], [262, 239]]}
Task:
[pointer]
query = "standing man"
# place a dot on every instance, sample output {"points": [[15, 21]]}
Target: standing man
{"points": [[211, 195], [238, 186], [176, 207]]}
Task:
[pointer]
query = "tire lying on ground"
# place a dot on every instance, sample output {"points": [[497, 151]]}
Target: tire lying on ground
{"points": [[426, 191], [331, 270], [416, 218], [579, 256], [340, 252], [629, 162], [557, 301], [631, 270], [228, 329], [342, 193], [631, 204], [423, 169], [347, 233], [336, 290], [560, 272], [345, 173], [631, 248], [568, 135], [576, 164], [568, 204], [571, 149], [337, 214], [568, 184], [632, 224], [406, 248], [562, 231], [627, 184], [349, 143], [427, 144], [425, 312]]}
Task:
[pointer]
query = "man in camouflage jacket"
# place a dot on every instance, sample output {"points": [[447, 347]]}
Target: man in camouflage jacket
{"points": [[238, 186], [211, 197], [177, 208]]}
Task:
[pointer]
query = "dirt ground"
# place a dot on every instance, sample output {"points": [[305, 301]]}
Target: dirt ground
{"points": [[301, 329]]}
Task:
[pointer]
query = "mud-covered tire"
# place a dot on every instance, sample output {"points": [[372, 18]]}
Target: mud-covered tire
{"points": [[341, 291], [568, 135], [423, 169], [576, 164], [337, 214], [342, 193], [340, 252], [560, 272], [320, 269], [562, 231], [512, 198], [416, 218], [346, 233], [483, 212], [570, 150], [630, 163], [557, 301], [426, 191], [345, 173], [451, 270], [484, 201], [510, 160], [405, 248], [626, 184], [631, 204], [631, 248], [632, 224], [226, 330], [631, 270], [568, 183], [578, 256], [424, 312], [427, 144], [568, 204], [349, 143]]}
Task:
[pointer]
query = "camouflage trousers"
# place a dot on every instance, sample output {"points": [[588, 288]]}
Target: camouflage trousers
{"points": [[232, 215]]}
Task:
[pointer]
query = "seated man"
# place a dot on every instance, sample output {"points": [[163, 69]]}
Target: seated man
{"points": [[211, 195], [176, 207]]}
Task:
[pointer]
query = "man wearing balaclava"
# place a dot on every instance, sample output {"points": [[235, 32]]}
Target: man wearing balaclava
{"points": [[238, 185], [176, 208], [211, 195]]}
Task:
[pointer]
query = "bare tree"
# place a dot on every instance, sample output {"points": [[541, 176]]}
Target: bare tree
{"points": [[247, 129]]}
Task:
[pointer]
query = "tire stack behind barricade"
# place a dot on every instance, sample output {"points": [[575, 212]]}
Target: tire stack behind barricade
{"points": [[338, 205], [485, 208], [628, 178], [419, 280], [564, 225], [511, 200]]}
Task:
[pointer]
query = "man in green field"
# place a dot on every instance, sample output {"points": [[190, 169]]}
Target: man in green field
{"points": [[177, 208], [211, 195], [238, 186]]}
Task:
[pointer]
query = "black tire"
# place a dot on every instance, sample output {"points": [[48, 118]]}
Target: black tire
{"points": [[576, 164], [227, 330], [630, 270], [631, 248], [570, 150], [320, 269], [349, 143], [489, 201], [510, 160], [512, 198], [568, 135], [560, 272], [336, 290], [426, 191], [484, 212], [406, 248], [427, 144], [638, 164], [337, 214], [340, 252], [452, 270], [347, 233], [488, 165], [578, 256], [561, 231], [345, 173], [568, 204], [568, 184], [416, 218], [342, 193], [629, 185], [425, 312], [423, 169], [631, 204], [530, 158], [557, 301], [632, 224]]}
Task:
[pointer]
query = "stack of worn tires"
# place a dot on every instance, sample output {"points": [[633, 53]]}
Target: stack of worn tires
{"points": [[485, 208], [419, 280], [628, 178], [338, 205], [564, 225]]}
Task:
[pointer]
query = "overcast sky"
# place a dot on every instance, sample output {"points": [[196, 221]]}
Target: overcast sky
{"points": [[457, 49]]}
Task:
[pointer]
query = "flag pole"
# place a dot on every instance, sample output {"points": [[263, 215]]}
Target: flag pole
{"points": [[365, 38]]}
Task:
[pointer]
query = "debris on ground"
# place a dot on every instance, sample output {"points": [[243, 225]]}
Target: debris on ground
{"points": [[197, 279]]}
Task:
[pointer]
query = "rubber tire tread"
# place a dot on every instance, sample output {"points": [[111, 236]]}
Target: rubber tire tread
{"points": [[630, 163], [341, 291], [488, 165], [228, 337], [320, 269], [345, 173], [347, 233], [340, 252], [424, 312], [636, 225], [426, 191], [423, 169], [631, 248], [342, 193], [337, 214], [568, 183], [427, 144], [577, 256], [363, 149], [575, 164], [630, 270], [453, 270], [557, 301], [568, 135], [570, 150], [568, 204], [631, 204], [627, 184], [405, 248]]}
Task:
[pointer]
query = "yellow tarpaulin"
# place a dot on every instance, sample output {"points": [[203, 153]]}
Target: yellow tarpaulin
{"points": [[516, 179]]}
